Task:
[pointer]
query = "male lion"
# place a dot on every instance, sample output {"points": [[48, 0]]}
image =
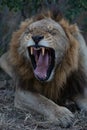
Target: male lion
{"points": [[48, 60]]}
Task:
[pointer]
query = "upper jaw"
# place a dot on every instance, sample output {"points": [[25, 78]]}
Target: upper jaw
{"points": [[39, 48]]}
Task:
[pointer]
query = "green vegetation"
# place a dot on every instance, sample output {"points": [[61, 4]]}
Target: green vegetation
{"points": [[73, 10], [72, 7]]}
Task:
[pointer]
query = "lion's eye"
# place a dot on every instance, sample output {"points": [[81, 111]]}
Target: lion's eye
{"points": [[52, 32], [28, 30]]}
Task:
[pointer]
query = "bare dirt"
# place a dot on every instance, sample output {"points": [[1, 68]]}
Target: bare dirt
{"points": [[12, 118]]}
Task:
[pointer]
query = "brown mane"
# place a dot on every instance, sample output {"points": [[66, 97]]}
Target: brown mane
{"points": [[69, 63]]}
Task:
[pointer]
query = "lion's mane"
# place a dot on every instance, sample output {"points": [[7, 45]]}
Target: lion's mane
{"points": [[65, 74]]}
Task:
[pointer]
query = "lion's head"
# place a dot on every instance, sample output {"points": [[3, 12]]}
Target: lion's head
{"points": [[45, 44], [40, 46]]}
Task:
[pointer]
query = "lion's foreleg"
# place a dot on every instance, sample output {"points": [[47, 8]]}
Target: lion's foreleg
{"points": [[5, 65], [25, 100]]}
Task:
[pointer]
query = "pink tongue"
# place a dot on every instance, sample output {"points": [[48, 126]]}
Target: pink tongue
{"points": [[42, 66]]}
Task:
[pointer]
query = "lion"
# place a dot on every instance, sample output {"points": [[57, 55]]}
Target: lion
{"points": [[47, 59]]}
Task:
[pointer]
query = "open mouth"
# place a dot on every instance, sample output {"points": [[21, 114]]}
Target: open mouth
{"points": [[43, 61]]}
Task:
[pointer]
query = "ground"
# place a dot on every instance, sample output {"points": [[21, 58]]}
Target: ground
{"points": [[12, 118]]}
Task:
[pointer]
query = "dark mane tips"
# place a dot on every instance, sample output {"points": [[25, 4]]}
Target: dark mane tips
{"points": [[53, 12]]}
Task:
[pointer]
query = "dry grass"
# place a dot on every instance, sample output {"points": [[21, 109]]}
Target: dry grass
{"points": [[15, 119]]}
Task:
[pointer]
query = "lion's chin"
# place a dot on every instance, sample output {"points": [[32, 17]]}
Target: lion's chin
{"points": [[42, 60]]}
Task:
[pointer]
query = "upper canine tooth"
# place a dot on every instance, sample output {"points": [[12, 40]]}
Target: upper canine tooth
{"points": [[43, 51], [31, 50]]}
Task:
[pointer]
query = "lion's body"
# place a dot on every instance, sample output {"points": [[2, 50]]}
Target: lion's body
{"points": [[69, 78]]}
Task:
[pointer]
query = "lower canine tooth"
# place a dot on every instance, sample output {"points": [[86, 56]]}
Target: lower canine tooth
{"points": [[43, 51], [31, 50]]}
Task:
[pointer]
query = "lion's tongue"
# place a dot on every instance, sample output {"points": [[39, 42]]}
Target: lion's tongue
{"points": [[42, 66]]}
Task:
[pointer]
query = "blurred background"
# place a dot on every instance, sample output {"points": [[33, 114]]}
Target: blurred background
{"points": [[12, 12]]}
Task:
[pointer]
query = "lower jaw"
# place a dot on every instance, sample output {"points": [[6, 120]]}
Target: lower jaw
{"points": [[47, 79], [41, 79]]}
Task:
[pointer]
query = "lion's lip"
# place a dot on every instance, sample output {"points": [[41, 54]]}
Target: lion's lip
{"points": [[42, 59]]}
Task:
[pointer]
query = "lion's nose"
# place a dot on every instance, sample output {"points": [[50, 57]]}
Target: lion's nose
{"points": [[37, 38]]}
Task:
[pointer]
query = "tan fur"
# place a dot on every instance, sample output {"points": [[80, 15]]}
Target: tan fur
{"points": [[70, 74]]}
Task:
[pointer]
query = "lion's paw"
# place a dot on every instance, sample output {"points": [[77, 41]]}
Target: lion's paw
{"points": [[62, 116]]}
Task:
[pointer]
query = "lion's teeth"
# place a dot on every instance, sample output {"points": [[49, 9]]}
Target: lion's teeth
{"points": [[31, 50], [36, 49], [43, 51]]}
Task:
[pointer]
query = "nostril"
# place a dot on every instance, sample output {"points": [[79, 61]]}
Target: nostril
{"points": [[37, 38]]}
